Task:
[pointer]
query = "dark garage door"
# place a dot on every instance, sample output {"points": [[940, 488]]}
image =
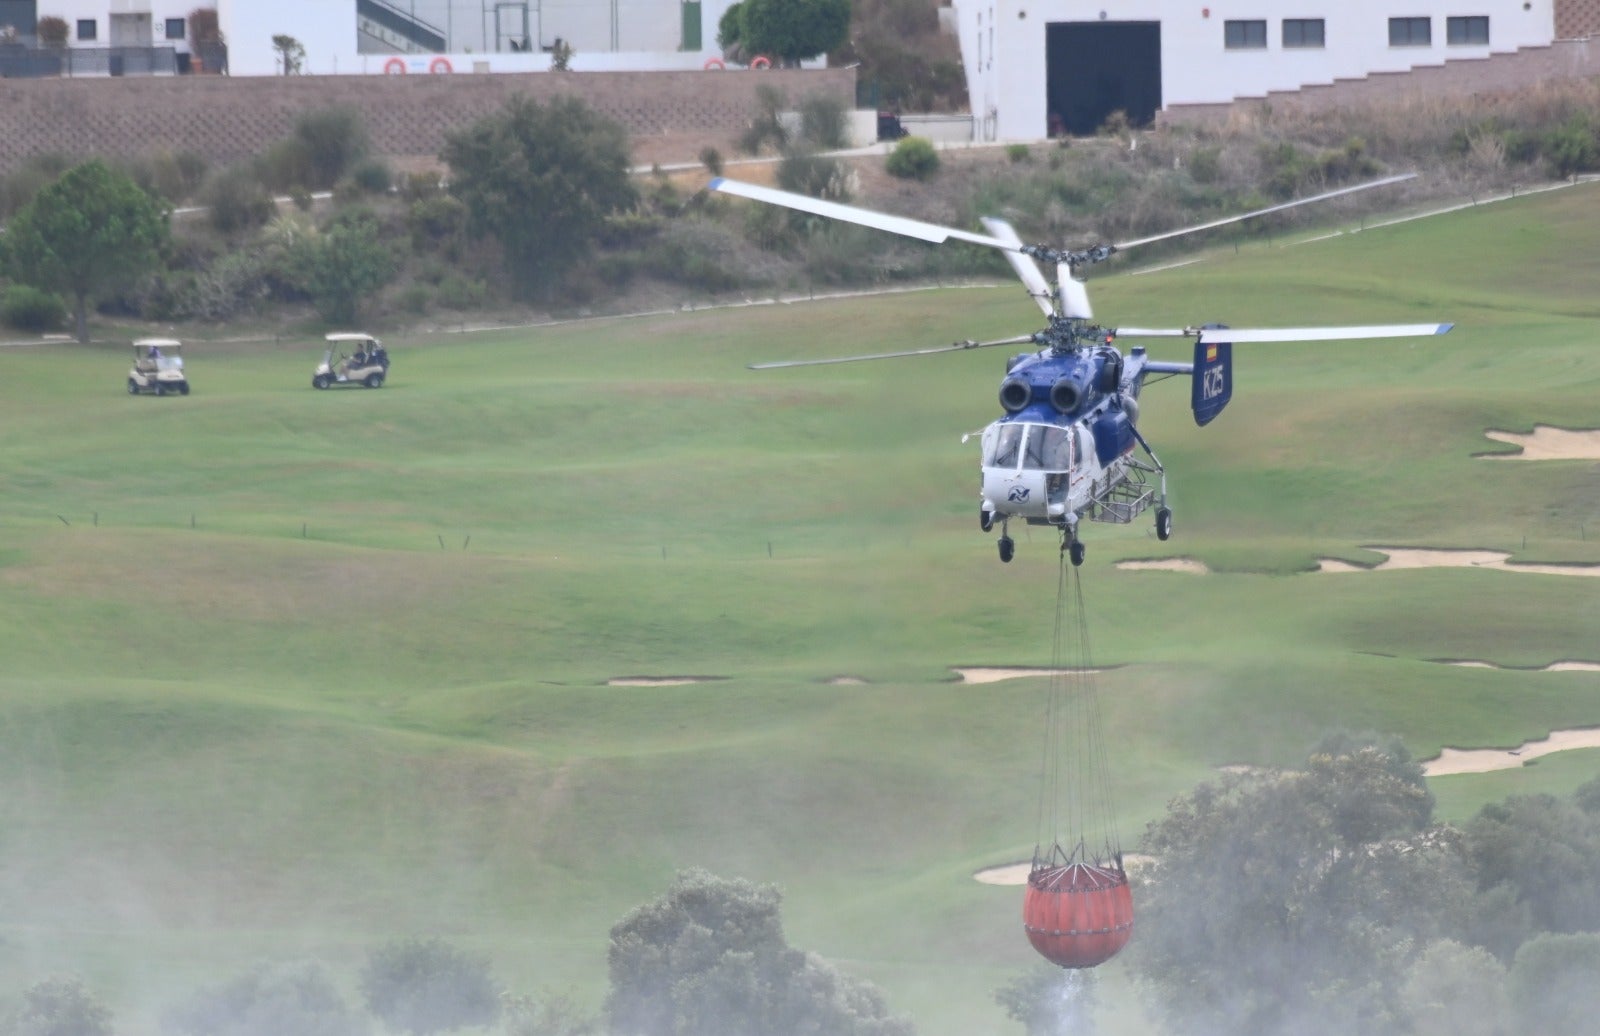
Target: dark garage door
{"points": [[1096, 68]]}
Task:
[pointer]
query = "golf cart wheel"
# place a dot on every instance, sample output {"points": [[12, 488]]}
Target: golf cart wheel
{"points": [[133, 387], [374, 380], [183, 388], [1163, 523], [321, 381], [161, 389]]}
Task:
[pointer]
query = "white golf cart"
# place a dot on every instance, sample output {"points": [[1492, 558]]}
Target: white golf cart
{"points": [[158, 367], [366, 363]]}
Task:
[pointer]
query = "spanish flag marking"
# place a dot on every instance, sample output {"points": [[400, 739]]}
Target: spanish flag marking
{"points": [[1211, 352]]}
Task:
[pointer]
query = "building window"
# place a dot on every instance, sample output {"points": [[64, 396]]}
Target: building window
{"points": [[1302, 32], [1466, 31], [1410, 32], [175, 29], [1244, 35], [88, 29]]}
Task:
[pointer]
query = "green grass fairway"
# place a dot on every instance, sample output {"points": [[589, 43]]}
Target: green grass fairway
{"points": [[287, 673]]}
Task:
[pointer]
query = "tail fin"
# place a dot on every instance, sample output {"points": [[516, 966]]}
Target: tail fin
{"points": [[1211, 384]]}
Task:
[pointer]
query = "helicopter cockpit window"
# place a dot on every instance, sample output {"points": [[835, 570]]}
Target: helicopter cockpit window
{"points": [[1049, 448], [1006, 446]]}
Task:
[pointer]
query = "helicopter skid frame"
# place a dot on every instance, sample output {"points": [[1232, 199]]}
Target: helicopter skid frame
{"points": [[1129, 496]]}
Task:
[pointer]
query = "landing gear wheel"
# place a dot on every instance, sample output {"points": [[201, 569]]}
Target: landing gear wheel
{"points": [[1163, 523], [1076, 552], [985, 518], [1008, 547]]}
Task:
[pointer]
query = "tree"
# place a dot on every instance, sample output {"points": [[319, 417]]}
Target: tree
{"points": [[1543, 855], [789, 30], [425, 986], [91, 230], [1552, 984], [904, 56], [1295, 901], [60, 1007], [710, 957], [342, 265], [268, 1001], [541, 179], [291, 54], [1455, 990]]}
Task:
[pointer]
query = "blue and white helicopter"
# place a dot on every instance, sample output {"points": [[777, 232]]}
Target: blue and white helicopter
{"points": [[1065, 448]]}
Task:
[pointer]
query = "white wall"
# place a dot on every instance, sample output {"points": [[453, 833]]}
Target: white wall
{"points": [[1003, 47]]}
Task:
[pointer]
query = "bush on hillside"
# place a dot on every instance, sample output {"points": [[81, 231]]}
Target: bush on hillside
{"points": [[913, 159], [27, 308], [237, 200]]}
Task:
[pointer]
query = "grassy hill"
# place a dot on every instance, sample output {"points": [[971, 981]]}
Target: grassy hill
{"points": [[290, 672]]}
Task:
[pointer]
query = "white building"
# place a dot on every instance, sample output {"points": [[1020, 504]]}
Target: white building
{"points": [[374, 36], [1037, 65], [366, 36]]}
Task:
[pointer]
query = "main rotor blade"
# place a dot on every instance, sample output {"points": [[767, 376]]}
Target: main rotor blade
{"points": [[1320, 334], [1026, 269], [864, 217], [1286, 334], [1324, 196], [953, 347]]}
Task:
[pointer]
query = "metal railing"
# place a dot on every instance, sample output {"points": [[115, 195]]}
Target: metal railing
{"points": [[32, 62]]}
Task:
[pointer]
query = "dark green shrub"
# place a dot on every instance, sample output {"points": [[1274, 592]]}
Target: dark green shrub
{"points": [[1205, 164], [437, 223], [335, 139], [373, 175], [237, 200], [26, 308], [913, 159], [286, 165], [52, 32], [711, 158], [1349, 163], [1571, 148], [1018, 152]]}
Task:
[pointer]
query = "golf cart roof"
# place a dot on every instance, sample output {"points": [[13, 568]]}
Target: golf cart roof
{"points": [[350, 336], [159, 343]]}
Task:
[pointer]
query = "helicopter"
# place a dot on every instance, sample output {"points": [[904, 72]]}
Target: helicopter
{"points": [[1065, 448]]}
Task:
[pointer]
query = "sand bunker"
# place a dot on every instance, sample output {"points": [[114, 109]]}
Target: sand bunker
{"points": [[1406, 557], [1189, 565], [845, 681], [983, 675], [1483, 760], [1547, 443], [1553, 667], [659, 681]]}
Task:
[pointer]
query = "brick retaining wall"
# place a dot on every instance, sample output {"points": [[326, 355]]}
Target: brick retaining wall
{"points": [[1564, 59], [227, 119]]}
